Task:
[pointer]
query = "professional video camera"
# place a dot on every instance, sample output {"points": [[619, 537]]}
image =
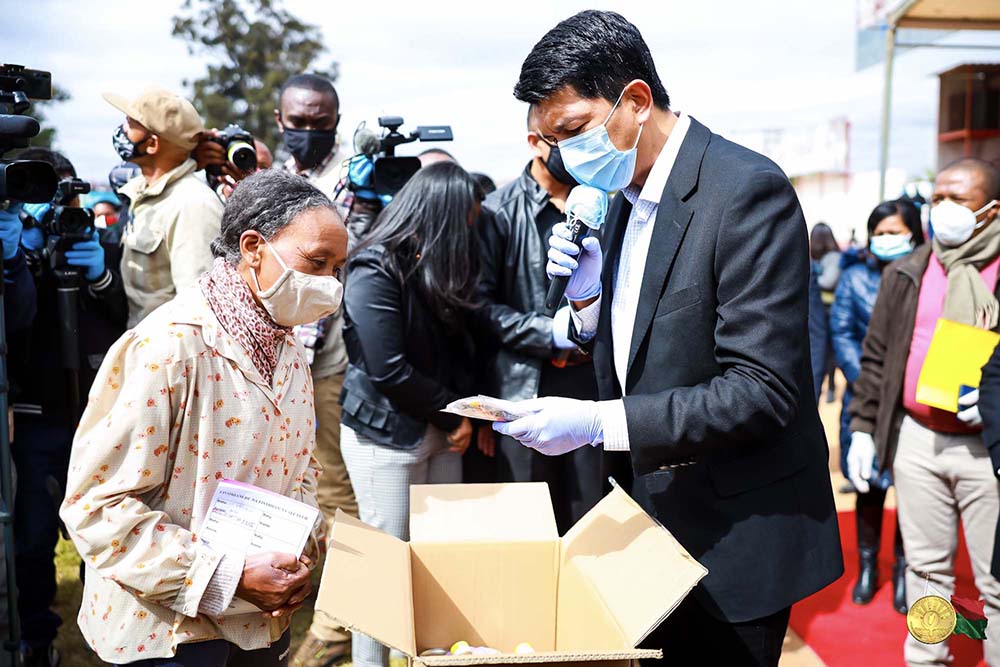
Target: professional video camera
{"points": [[391, 172], [23, 180], [239, 149], [64, 225]]}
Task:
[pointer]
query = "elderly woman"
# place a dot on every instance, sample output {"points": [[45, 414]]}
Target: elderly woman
{"points": [[210, 386]]}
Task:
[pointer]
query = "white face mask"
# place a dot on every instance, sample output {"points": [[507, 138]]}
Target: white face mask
{"points": [[299, 298], [954, 224]]}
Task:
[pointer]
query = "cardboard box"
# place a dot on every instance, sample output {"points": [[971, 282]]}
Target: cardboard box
{"points": [[485, 565]]}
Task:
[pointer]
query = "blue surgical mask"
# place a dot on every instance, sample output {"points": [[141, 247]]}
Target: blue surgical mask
{"points": [[592, 158], [889, 247]]}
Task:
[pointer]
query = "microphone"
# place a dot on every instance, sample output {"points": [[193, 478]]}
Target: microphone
{"points": [[367, 142], [586, 208]]}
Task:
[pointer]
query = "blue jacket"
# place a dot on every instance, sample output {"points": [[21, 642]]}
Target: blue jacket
{"points": [[818, 338], [850, 312]]}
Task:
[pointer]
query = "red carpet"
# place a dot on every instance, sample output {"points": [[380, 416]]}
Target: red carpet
{"points": [[846, 635]]}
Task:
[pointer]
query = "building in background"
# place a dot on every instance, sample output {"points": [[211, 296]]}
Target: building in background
{"points": [[969, 115], [817, 159], [939, 108]]}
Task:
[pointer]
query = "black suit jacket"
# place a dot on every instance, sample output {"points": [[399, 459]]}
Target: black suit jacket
{"points": [[719, 374], [989, 407]]}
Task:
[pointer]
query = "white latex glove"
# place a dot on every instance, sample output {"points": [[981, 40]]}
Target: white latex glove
{"points": [[860, 460], [560, 330], [555, 425], [583, 268], [969, 408]]}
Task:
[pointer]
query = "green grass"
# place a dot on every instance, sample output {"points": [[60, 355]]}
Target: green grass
{"points": [[71, 645]]}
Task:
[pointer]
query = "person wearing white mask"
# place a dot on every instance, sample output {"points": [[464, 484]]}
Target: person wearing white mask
{"points": [[894, 230], [943, 474], [212, 385], [695, 304]]}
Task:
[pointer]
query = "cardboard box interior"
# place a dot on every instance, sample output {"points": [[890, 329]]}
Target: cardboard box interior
{"points": [[485, 565]]}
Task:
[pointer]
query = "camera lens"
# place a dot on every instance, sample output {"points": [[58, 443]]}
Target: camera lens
{"points": [[28, 181], [243, 155]]}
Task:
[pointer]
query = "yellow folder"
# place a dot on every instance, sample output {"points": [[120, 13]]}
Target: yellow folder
{"points": [[956, 357]]}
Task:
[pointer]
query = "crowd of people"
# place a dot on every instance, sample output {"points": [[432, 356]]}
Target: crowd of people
{"points": [[197, 291], [885, 300], [292, 329]]}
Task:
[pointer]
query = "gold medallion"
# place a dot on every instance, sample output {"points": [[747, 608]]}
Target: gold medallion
{"points": [[931, 619]]}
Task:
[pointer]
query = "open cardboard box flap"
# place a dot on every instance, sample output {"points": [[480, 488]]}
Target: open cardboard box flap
{"points": [[481, 513], [619, 573], [636, 567], [366, 583], [576, 657]]}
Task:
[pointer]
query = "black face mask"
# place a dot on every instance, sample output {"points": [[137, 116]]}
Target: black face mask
{"points": [[554, 163], [309, 147], [125, 147]]}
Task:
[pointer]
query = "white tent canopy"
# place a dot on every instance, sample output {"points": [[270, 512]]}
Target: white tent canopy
{"points": [[926, 14]]}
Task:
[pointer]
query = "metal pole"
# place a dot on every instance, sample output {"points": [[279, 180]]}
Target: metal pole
{"points": [[890, 49]]}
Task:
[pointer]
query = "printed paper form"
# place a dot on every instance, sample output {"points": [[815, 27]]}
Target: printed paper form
{"points": [[244, 519]]}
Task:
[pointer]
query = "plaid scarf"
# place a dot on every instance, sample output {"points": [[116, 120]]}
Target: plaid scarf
{"points": [[243, 318]]}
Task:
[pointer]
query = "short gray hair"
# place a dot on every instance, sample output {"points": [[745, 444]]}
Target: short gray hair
{"points": [[265, 202]]}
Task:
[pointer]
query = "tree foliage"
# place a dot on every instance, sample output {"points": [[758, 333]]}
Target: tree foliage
{"points": [[253, 47]]}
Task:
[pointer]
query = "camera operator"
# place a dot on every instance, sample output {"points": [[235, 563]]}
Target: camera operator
{"points": [[174, 215], [223, 176], [44, 417], [19, 289]]}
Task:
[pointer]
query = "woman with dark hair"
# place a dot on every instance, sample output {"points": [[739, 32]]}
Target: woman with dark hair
{"points": [[409, 303], [824, 251], [825, 254], [893, 231]]}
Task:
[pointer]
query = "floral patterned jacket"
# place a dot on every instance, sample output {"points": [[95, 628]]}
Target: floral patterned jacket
{"points": [[177, 406]]}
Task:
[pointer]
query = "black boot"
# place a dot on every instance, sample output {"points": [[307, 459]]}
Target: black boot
{"points": [[864, 589], [899, 577], [868, 512]]}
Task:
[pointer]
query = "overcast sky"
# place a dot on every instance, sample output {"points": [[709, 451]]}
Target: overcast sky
{"points": [[735, 65]]}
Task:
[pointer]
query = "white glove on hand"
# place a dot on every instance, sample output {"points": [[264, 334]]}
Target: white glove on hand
{"points": [[860, 460], [969, 409], [560, 330]]}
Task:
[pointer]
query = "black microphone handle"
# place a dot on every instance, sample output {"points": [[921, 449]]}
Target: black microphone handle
{"points": [[557, 288]]}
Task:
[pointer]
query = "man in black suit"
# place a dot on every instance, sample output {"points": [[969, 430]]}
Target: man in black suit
{"points": [[697, 318]]}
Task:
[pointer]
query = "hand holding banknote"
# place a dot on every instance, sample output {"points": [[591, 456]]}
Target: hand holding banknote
{"points": [[487, 408]]}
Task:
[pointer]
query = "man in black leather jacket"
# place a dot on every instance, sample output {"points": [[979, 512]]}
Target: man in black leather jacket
{"points": [[514, 284]]}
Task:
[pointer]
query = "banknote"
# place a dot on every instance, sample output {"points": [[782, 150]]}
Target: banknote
{"points": [[486, 408]]}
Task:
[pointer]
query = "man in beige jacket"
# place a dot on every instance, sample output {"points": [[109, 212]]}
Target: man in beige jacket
{"points": [[174, 214]]}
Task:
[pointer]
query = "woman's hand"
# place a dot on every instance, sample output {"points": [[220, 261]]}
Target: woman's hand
{"points": [[298, 597], [460, 438], [271, 580]]}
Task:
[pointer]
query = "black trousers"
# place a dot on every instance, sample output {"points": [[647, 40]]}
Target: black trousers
{"points": [[691, 636], [220, 653], [41, 457]]}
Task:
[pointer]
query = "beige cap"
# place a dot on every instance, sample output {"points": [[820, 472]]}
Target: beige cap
{"points": [[165, 113]]}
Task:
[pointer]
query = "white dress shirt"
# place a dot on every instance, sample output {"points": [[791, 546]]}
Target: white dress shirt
{"points": [[628, 280]]}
